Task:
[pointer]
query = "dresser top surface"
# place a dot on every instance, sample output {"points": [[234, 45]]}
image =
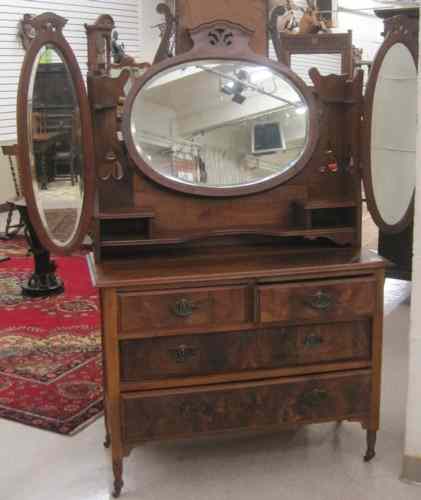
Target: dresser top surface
{"points": [[222, 264]]}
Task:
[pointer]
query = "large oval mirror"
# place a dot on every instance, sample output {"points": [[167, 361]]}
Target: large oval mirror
{"points": [[56, 149], [55, 143], [220, 127], [390, 180]]}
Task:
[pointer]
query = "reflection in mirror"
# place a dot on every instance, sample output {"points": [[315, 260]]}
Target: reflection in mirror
{"points": [[56, 153], [393, 162], [220, 123]]}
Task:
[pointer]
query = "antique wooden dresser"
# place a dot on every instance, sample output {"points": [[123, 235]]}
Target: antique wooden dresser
{"points": [[227, 206]]}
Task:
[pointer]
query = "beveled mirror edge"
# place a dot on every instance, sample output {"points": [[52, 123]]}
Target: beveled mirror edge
{"points": [[400, 33], [237, 50], [49, 32]]}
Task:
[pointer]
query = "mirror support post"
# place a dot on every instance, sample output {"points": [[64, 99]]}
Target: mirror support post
{"points": [[43, 281]]}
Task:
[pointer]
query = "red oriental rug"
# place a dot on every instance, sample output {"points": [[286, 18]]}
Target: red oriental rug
{"points": [[50, 349]]}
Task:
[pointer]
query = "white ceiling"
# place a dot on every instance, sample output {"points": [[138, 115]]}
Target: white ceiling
{"points": [[200, 92]]}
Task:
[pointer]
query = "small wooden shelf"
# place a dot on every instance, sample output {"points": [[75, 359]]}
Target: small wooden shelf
{"points": [[132, 240], [126, 214], [319, 204]]}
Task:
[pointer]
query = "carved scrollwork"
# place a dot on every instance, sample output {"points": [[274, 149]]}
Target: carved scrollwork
{"points": [[220, 37], [47, 22]]}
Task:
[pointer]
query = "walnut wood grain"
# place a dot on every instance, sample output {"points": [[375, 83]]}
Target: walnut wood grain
{"points": [[232, 263], [327, 300], [191, 412], [184, 308], [200, 355]]}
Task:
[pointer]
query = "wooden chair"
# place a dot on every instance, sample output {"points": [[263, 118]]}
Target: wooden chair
{"points": [[39, 123], [9, 207], [69, 157]]}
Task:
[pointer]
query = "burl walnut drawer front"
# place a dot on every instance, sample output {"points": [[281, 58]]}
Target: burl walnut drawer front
{"points": [[317, 300], [152, 311], [169, 414], [181, 356]]}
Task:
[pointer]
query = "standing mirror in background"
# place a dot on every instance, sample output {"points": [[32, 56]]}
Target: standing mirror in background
{"points": [[56, 151], [220, 127], [391, 125], [55, 139]]}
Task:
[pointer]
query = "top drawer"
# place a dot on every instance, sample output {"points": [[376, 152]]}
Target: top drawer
{"points": [[317, 300], [179, 309]]}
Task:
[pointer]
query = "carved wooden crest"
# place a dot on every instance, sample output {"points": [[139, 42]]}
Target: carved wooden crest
{"points": [[30, 26], [221, 35], [47, 22], [401, 25]]}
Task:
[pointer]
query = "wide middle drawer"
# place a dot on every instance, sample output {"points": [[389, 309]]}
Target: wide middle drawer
{"points": [[187, 308], [196, 355]]}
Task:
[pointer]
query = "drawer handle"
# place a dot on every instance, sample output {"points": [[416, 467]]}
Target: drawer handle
{"points": [[313, 341], [183, 353], [184, 308], [201, 408], [321, 301], [314, 398]]}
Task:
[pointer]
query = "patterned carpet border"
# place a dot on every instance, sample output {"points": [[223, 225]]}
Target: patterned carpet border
{"points": [[50, 349]]}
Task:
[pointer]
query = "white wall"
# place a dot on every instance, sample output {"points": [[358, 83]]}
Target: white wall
{"points": [[149, 37], [126, 14], [366, 32], [7, 189], [412, 461]]}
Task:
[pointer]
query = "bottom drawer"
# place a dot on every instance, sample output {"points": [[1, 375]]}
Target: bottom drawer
{"points": [[182, 413]]}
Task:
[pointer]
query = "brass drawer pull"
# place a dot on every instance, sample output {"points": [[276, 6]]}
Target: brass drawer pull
{"points": [[313, 341], [183, 353], [321, 301], [314, 398], [184, 308], [196, 409]]}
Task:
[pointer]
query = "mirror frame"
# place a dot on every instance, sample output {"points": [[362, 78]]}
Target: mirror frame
{"points": [[236, 48], [400, 32], [48, 27]]}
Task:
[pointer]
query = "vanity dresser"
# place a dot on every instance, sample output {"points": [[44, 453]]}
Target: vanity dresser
{"points": [[227, 207]]}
